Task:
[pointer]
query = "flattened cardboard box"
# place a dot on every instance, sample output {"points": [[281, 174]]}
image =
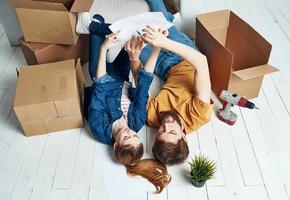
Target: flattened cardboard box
{"points": [[237, 55], [50, 21], [41, 53], [47, 97]]}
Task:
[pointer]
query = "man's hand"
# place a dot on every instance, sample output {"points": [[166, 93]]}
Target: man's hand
{"points": [[157, 38], [134, 48], [111, 41]]}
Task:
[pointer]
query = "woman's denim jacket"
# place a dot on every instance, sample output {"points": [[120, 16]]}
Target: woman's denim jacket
{"points": [[102, 104]]}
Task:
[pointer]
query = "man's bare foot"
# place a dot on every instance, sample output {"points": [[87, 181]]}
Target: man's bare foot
{"points": [[172, 6]]}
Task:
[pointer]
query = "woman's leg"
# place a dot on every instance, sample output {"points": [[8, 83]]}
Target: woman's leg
{"points": [[95, 45], [99, 28], [121, 66]]}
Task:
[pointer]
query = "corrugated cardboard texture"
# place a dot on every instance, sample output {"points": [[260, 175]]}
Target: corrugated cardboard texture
{"points": [[237, 54], [39, 127], [242, 87], [254, 72], [81, 6], [45, 83], [42, 5], [47, 97], [40, 53], [36, 26], [46, 22], [220, 59]]}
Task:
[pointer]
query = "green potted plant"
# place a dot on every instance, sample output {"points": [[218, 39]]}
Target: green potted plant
{"points": [[201, 170]]}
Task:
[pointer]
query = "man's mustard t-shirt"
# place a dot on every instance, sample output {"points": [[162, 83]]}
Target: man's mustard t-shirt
{"points": [[177, 95]]}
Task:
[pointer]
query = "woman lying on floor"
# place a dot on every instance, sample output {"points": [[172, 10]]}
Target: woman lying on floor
{"points": [[114, 109]]}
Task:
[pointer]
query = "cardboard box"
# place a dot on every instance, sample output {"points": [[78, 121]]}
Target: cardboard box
{"points": [[47, 97], [50, 21], [41, 53], [236, 53]]}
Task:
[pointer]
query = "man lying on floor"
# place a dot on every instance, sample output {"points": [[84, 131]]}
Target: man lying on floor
{"points": [[183, 103]]}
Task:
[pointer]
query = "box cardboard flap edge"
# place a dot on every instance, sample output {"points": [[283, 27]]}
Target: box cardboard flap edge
{"points": [[41, 5], [80, 77], [210, 22], [81, 5], [254, 72]]}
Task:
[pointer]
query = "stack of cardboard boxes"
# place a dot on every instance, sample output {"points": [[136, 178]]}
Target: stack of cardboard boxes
{"points": [[48, 94]]}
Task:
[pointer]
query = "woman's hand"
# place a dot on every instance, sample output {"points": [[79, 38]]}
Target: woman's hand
{"points": [[134, 48], [157, 38], [111, 41]]}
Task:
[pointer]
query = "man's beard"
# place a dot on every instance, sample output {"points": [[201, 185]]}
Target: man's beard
{"points": [[164, 115]]}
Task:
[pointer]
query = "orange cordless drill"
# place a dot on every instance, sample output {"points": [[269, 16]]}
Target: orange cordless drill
{"points": [[228, 100]]}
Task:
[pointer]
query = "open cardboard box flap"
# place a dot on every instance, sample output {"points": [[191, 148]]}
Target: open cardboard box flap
{"points": [[254, 72], [80, 78], [215, 20], [81, 6], [77, 6], [41, 5]]}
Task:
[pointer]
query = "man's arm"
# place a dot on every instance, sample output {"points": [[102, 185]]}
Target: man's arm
{"points": [[198, 60]]}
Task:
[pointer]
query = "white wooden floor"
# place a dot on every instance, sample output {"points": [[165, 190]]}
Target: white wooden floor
{"points": [[253, 155]]}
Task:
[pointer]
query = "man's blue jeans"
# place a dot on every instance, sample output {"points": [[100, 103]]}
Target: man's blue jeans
{"points": [[166, 59]]}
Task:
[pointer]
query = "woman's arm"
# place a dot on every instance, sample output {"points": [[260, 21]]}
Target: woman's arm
{"points": [[198, 60], [111, 41], [134, 48], [101, 70]]}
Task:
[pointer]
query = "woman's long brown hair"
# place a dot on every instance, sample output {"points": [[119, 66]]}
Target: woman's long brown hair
{"points": [[153, 171]]}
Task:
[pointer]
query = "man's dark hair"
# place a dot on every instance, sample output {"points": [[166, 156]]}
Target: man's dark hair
{"points": [[170, 153]]}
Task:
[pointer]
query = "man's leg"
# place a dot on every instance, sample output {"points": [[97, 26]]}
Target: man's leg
{"points": [[166, 59], [158, 6]]}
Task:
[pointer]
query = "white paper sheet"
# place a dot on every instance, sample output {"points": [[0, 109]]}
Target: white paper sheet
{"points": [[130, 25]]}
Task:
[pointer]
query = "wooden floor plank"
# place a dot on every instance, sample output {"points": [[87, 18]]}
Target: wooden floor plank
{"points": [[208, 146], [29, 168], [21, 194], [97, 193], [177, 192], [6, 105], [244, 149], [197, 193], [59, 194], [12, 165], [46, 171], [67, 158], [265, 157], [83, 167], [9, 133], [6, 52], [2, 92]]}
